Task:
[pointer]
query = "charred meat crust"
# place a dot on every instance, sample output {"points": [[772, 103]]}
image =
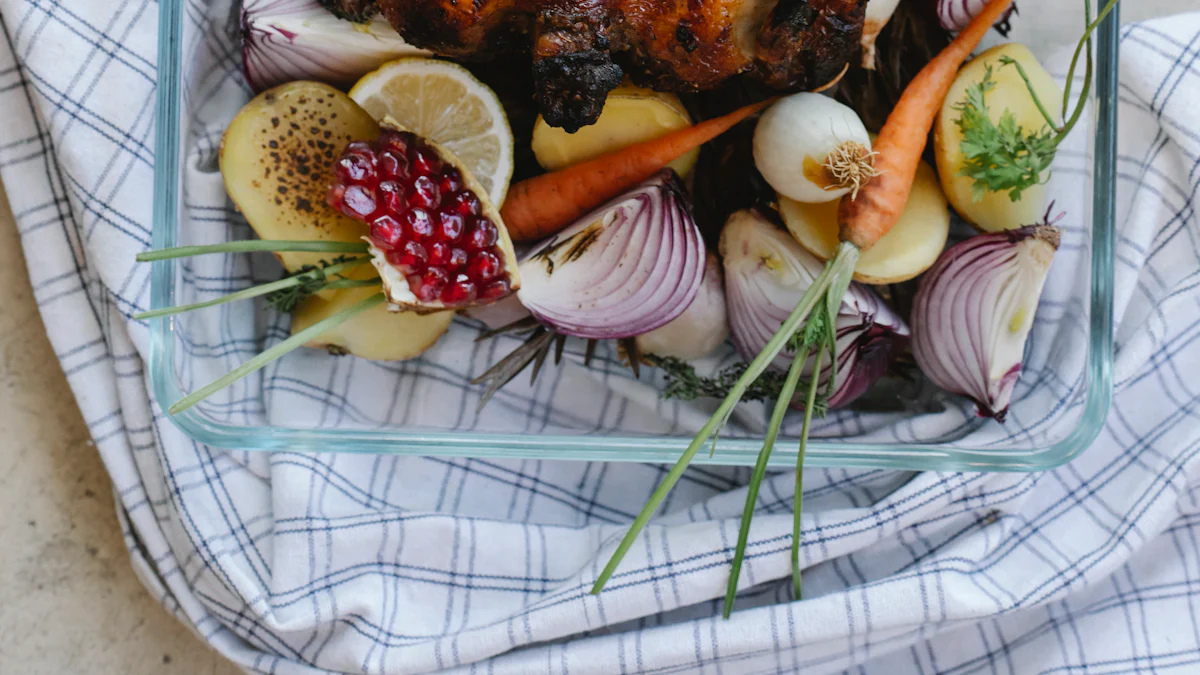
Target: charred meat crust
{"points": [[806, 43], [571, 88], [573, 71], [357, 11], [581, 48]]}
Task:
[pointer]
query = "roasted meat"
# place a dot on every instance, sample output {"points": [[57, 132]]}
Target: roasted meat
{"points": [[352, 10], [581, 49]]}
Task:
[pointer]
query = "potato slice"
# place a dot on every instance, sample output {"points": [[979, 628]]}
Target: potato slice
{"points": [[631, 115], [277, 158], [377, 334], [996, 211], [912, 246]]}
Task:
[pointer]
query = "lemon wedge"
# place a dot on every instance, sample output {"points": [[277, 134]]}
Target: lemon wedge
{"points": [[445, 103]]}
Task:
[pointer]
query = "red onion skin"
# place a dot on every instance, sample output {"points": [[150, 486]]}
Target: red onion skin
{"points": [[869, 333], [941, 342], [956, 14], [273, 55], [643, 270]]}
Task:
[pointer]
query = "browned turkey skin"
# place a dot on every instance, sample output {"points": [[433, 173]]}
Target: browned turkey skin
{"points": [[582, 48]]}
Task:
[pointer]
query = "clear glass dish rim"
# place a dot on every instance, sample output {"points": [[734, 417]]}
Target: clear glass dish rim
{"points": [[820, 453]]}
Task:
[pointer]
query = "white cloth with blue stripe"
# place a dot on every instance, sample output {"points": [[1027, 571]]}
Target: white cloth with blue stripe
{"points": [[291, 563]]}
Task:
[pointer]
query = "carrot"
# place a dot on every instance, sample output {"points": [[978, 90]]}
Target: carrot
{"points": [[543, 205], [863, 220]]}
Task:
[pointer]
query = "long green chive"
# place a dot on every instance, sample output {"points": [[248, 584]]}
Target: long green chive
{"points": [[255, 245], [798, 499], [760, 470], [298, 340]]}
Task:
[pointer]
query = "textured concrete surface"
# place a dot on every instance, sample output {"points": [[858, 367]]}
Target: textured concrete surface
{"points": [[69, 601]]}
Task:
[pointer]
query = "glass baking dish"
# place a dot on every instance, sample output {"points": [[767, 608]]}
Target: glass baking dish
{"points": [[313, 401]]}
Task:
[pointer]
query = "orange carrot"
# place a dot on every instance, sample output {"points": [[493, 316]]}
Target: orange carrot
{"points": [[865, 219], [543, 205]]}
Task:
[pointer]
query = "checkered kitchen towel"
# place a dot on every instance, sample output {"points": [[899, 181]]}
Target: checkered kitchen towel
{"points": [[293, 563]]}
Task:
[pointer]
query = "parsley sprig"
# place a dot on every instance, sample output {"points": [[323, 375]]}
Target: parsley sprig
{"points": [[1005, 156]]}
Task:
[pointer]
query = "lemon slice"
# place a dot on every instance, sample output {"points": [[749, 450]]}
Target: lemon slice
{"points": [[443, 102]]}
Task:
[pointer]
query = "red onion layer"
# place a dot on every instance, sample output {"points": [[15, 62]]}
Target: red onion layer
{"points": [[973, 312], [767, 272], [627, 268], [288, 40], [956, 14]]}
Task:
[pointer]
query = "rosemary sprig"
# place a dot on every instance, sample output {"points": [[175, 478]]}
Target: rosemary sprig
{"points": [[270, 289], [1006, 157]]}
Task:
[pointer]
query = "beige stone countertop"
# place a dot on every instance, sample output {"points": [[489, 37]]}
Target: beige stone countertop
{"points": [[69, 601]]}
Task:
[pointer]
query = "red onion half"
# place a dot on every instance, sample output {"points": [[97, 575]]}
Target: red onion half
{"points": [[974, 309], [702, 328], [625, 269], [287, 40], [956, 14], [767, 272]]}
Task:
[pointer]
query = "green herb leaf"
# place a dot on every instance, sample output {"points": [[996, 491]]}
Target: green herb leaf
{"points": [[312, 279], [1002, 157]]}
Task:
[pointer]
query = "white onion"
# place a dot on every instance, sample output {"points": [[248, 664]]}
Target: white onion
{"points": [[767, 272], [287, 40], [627, 268], [974, 309], [954, 15], [879, 12], [702, 327], [802, 139]]}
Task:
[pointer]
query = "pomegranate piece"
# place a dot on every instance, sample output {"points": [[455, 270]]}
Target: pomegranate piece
{"points": [[436, 239]]}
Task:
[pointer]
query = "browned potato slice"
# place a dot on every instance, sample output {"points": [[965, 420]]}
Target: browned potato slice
{"points": [[277, 160], [377, 334]]}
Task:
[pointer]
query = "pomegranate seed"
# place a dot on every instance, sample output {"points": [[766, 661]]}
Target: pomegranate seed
{"points": [[494, 290], [424, 193], [450, 225], [418, 223], [412, 258], [387, 232], [335, 194], [393, 165], [483, 235], [450, 181], [358, 202], [425, 162], [392, 196], [458, 259], [439, 254], [430, 284], [466, 203], [460, 292], [356, 167], [396, 141], [484, 266], [360, 147]]}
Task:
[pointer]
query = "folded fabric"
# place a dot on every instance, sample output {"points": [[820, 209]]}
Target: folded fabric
{"points": [[303, 563]]}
